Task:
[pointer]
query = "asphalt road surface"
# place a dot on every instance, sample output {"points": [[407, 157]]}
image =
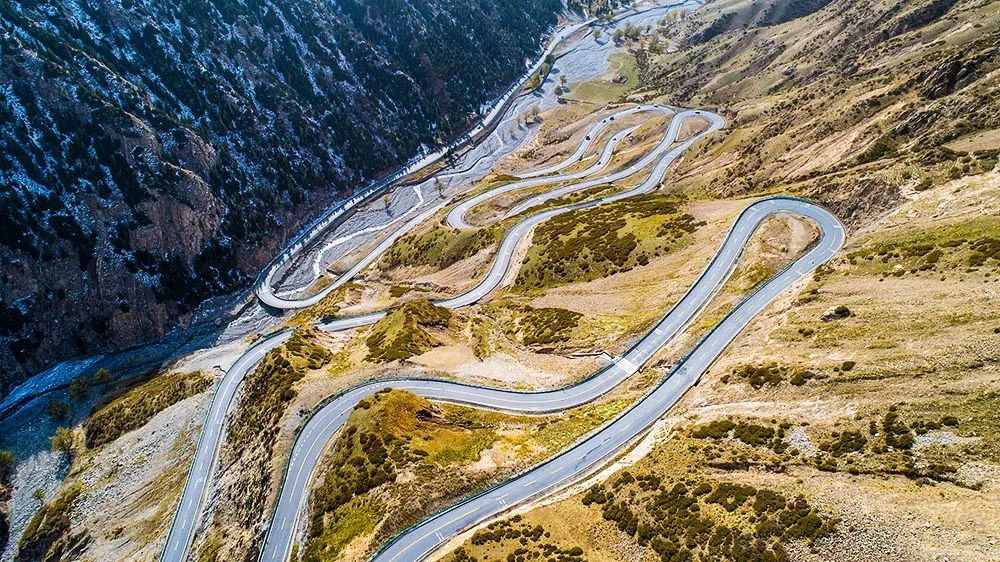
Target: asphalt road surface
{"points": [[456, 217], [587, 455], [190, 509], [662, 155], [187, 518]]}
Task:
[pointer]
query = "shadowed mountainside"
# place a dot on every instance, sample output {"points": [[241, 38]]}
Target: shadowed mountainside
{"points": [[156, 154]]}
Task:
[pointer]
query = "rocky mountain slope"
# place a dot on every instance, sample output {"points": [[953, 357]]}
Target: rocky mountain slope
{"points": [[849, 102], [155, 154]]}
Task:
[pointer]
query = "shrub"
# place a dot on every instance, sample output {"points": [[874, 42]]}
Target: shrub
{"points": [[759, 376], [102, 376], [62, 440], [752, 434], [57, 410], [7, 462], [713, 430], [897, 435], [731, 495], [801, 376], [845, 442], [882, 148], [79, 388]]}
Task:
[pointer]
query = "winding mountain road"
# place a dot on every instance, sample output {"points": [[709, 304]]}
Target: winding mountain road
{"points": [[456, 217], [579, 460], [187, 517], [323, 425], [662, 154], [264, 284]]}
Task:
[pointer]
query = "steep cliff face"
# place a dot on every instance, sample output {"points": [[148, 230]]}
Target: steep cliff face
{"points": [[156, 153]]}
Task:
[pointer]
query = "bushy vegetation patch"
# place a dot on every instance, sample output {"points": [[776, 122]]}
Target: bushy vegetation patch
{"points": [[520, 541], [391, 432], [771, 435], [48, 535], [136, 407], [695, 519], [534, 326], [594, 243], [403, 332], [439, 247], [769, 374], [845, 442], [968, 245], [716, 429], [486, 337], [885, 443], [400, 457]]}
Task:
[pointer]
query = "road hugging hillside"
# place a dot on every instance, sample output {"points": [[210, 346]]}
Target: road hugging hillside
{"points": [[571, 464]]}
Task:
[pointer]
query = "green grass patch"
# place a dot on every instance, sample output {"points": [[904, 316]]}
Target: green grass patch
{"points": [[136, 407], [487, 338], [440, 247], [596, 91], [403, 332], [962, 245], [560, 432], [396, 433], [593, 243], [356, 519], [533, 326]]}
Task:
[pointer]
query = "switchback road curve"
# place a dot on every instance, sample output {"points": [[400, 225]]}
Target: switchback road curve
{"points": [[263, 286], [662, 155], [192, 500], [189, 511], [265, 292], [588, 454]]}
